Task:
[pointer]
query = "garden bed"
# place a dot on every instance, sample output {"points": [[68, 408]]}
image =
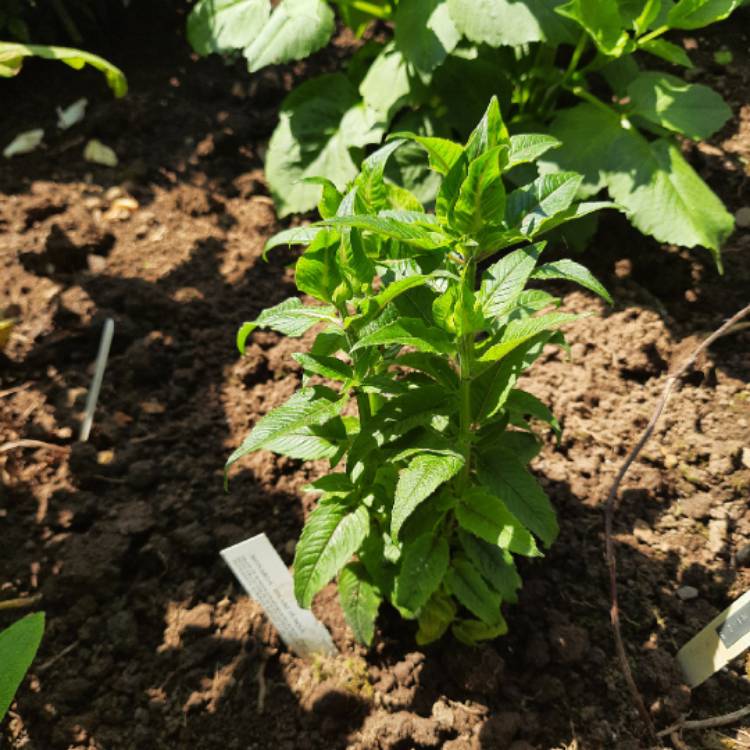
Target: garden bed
{"points": [[150, 642]]}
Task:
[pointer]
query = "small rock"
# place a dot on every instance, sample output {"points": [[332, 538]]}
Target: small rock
{"points": [[697, 506], [717, 535], [642, 531], [746, 458], [443, 714], [743, 555], [742, 217], [686, 593]]}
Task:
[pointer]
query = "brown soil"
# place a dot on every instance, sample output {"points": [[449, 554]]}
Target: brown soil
{"points": [[150, 643]]}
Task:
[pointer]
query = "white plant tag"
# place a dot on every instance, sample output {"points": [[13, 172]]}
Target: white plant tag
{"points": [[723, 639], [266, 579], [96, 383]]}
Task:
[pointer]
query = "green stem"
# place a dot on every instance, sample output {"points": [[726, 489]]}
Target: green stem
{"points": [[580, 48], [653, 34], [376, 11], [581, 93], [465, 361]]}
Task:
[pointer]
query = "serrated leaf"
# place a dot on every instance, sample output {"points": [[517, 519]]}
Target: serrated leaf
{"points": [[602, 21], [472, 632], [330, 197], [332, 534], [18, 646], [530, 206], [569, 270], [528, 147], [423, 475], [695, 14], [360, 601], [290, 317], [481, 198], [443, 154], [335, 483], [486, 516], [288, 428], [528, 404], [489, 133], [407, 227], [293, 236], [435, 618], [503, 281], [425, 34], [433, 365], [691, 109], [372, 194], [467, 585], [667, 51], [509, 480], [327, 367], [296, 29], [226, 25], [424, 561], [317, 270], [409, 332], [495, 565]]}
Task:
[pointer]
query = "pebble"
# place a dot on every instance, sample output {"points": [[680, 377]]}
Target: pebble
{"points": [[697, 506], [717, 535], [686, 593], [742, 217], [642, 531]]}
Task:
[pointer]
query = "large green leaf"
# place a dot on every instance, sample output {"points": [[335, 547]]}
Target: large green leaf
{"points": [[528, 147], [652, 180], [486, 516], [387, 85], [296, 29], [12, 55], [411, 228], [532, 206], [288, 429], [424, 474], [332, 534], [443, 153], [569, 270], [425, 33], [292, 236], [435, 618], [226, 25], [360, 601], [409, 332], [496, 565], [319, 123], [692, 109], [290, 317], [667, 51], [508, 479], [467, 585], [503, 281], [472, 632], [602, 21], [424, 561], [504, 22], [694, 14], [481, 199], [18, 646]]}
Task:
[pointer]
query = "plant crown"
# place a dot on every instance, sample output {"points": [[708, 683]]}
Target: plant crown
{"points": [[426, 331], [566, 68]]}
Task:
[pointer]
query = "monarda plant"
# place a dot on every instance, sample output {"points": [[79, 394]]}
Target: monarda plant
{"points": [[427, 321]]}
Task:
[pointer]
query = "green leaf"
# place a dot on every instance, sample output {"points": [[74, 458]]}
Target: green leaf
{"points": [[652, 180], [317, 270], [332, 534], [434, 618], [496, 565], [296, 29], [225, 25], [330, 198], [289, 317], [424, 561], [327, 367], [288, 429], [18, 646], [528, 147], [489, 133], [293, 236], [372, 194], [409, 332], [688, 108], [360, 601], [320, 123], [504, 22], [503, 281], [481, 199], [471, 632], [602, 21], [12, 56], [433, 365], [423, 475], [467, 585], [336, 483], [443, 153], [425, 34], [666, 51], [518, 332], [419, 230], [509, 480], [694, 14], [387, 86], [485, 516], [531, 206], [569, 270], [528, 404]]}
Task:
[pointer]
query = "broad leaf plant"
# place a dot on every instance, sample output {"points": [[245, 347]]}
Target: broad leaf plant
{"points": [[425, 322], [579, 70]]}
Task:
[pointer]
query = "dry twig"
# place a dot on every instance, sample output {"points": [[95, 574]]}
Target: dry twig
{"points": [[611, 506], [21, 602], [59, 655], [260, 678], [13, 444], [711, 723]]}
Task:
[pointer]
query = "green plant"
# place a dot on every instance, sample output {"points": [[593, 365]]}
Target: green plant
{"points": [[425, 335], [567, 68], [18, 646]]}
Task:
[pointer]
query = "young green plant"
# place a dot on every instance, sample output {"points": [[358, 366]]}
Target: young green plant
{"points": [[410, 387]]}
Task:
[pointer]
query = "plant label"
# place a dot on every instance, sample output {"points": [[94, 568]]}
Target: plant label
{"points": [[724, 638], [262, 573], [96, 384]]}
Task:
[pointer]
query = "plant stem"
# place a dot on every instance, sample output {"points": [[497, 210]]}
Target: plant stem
{"points": [[653, 34], [465, 359], [576, 58], [581, 93]]}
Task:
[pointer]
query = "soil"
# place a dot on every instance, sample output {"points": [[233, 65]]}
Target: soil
{"points": [[150, 643]]}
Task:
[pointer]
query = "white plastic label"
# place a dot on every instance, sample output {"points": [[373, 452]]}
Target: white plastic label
{"points": [[266, 579], [724, 638]]}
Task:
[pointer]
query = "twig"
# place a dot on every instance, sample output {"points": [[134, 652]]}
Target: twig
{"points": [[51, 662], [5, 447], [677, 741], [260, 678], [21, 602], [611, 505], [14, 389], [714, 721]]}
